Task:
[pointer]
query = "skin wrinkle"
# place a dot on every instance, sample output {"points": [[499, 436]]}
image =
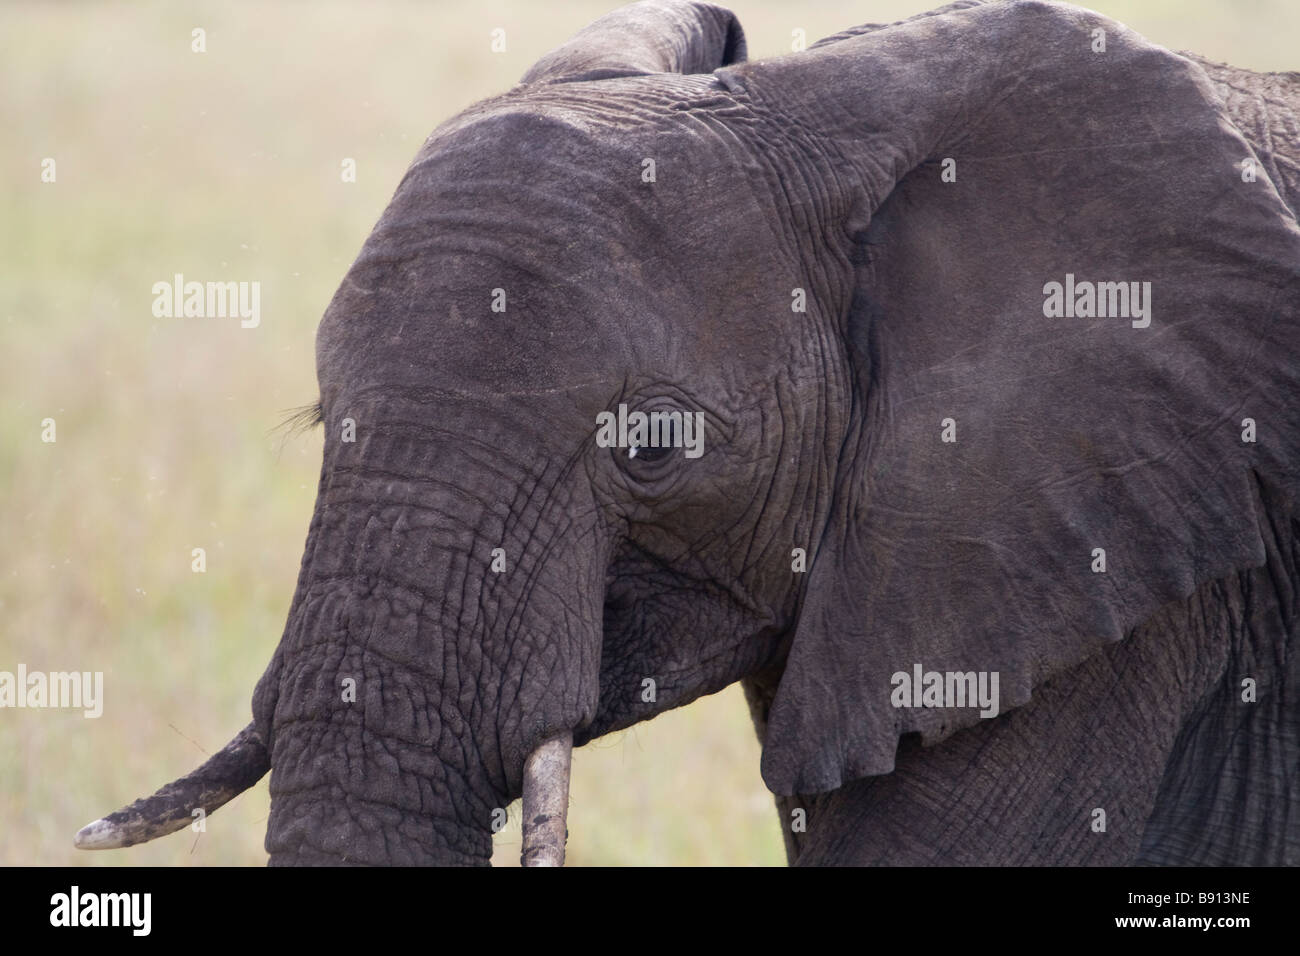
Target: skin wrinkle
{"points": [[1257, 106], [1254, 756], [531, 583], [679, 592], [794, 197], [332, 787], [666, 572]]}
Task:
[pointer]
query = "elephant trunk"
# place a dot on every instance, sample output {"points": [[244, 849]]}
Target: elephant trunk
{"points": [[435, 662]]}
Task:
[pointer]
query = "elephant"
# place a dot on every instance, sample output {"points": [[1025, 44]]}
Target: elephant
{"points": [[937, 383]]}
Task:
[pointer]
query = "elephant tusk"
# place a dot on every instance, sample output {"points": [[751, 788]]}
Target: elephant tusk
{"points": [[235, 768], [546, 802]]}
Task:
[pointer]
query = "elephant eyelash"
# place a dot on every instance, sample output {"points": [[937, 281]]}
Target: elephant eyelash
{"points": [[302, 419]]}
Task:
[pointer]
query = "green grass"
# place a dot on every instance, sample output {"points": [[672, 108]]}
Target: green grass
{"points": [[226, 165]]}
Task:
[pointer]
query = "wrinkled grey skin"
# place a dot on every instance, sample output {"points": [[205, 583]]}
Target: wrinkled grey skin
{"points": [[1120, 691]]}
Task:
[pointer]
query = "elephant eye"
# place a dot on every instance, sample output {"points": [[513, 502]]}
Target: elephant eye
{"points": [[649, 454], [662, 436], [649, 441]]}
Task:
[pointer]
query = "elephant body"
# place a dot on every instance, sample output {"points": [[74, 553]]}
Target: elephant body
{"points": [[840, 261]]}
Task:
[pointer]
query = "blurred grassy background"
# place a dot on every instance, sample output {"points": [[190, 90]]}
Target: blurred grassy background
{"points": [[226, 165]]}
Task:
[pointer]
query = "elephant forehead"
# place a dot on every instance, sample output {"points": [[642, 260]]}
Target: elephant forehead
{"points": [[528, 251]]}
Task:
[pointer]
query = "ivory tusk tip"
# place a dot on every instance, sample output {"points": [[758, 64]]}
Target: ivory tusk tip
{"points": [[100, 835]]}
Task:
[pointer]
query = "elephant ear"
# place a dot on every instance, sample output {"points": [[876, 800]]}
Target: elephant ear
{"points": [[978, 157], [655, 36]]}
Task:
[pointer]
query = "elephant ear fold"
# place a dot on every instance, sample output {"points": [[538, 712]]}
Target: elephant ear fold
{"points": [[655, 36], [1073, 336]]}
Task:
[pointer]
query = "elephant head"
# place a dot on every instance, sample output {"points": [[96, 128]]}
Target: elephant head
{"points": [[948, 308]]}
